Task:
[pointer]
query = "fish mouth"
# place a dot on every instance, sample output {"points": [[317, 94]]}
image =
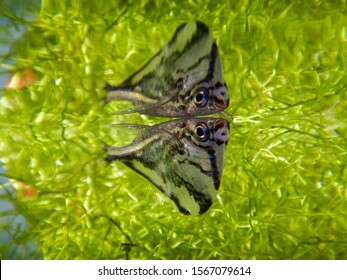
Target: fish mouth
{"points": [[221, 101], [221, 123], [222, 131]]}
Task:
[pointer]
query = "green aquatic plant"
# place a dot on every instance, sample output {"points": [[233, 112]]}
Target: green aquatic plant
{"points": [[283, 194]]}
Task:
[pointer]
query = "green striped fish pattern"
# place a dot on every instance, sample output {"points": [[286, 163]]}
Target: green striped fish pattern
{"points": [[183, 158], [184, 79]]}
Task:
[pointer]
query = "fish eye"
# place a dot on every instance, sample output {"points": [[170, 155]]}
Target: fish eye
{"points": [[201, 96], [201, 131]]}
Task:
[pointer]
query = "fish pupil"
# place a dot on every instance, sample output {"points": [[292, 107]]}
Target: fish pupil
{"points": [[199, 97], [200, 131]]}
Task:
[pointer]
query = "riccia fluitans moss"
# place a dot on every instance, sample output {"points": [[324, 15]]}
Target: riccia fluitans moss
{"points": [[283, 193]]}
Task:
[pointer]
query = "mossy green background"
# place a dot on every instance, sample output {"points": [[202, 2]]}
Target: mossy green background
{"points": [[283, 193]]}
